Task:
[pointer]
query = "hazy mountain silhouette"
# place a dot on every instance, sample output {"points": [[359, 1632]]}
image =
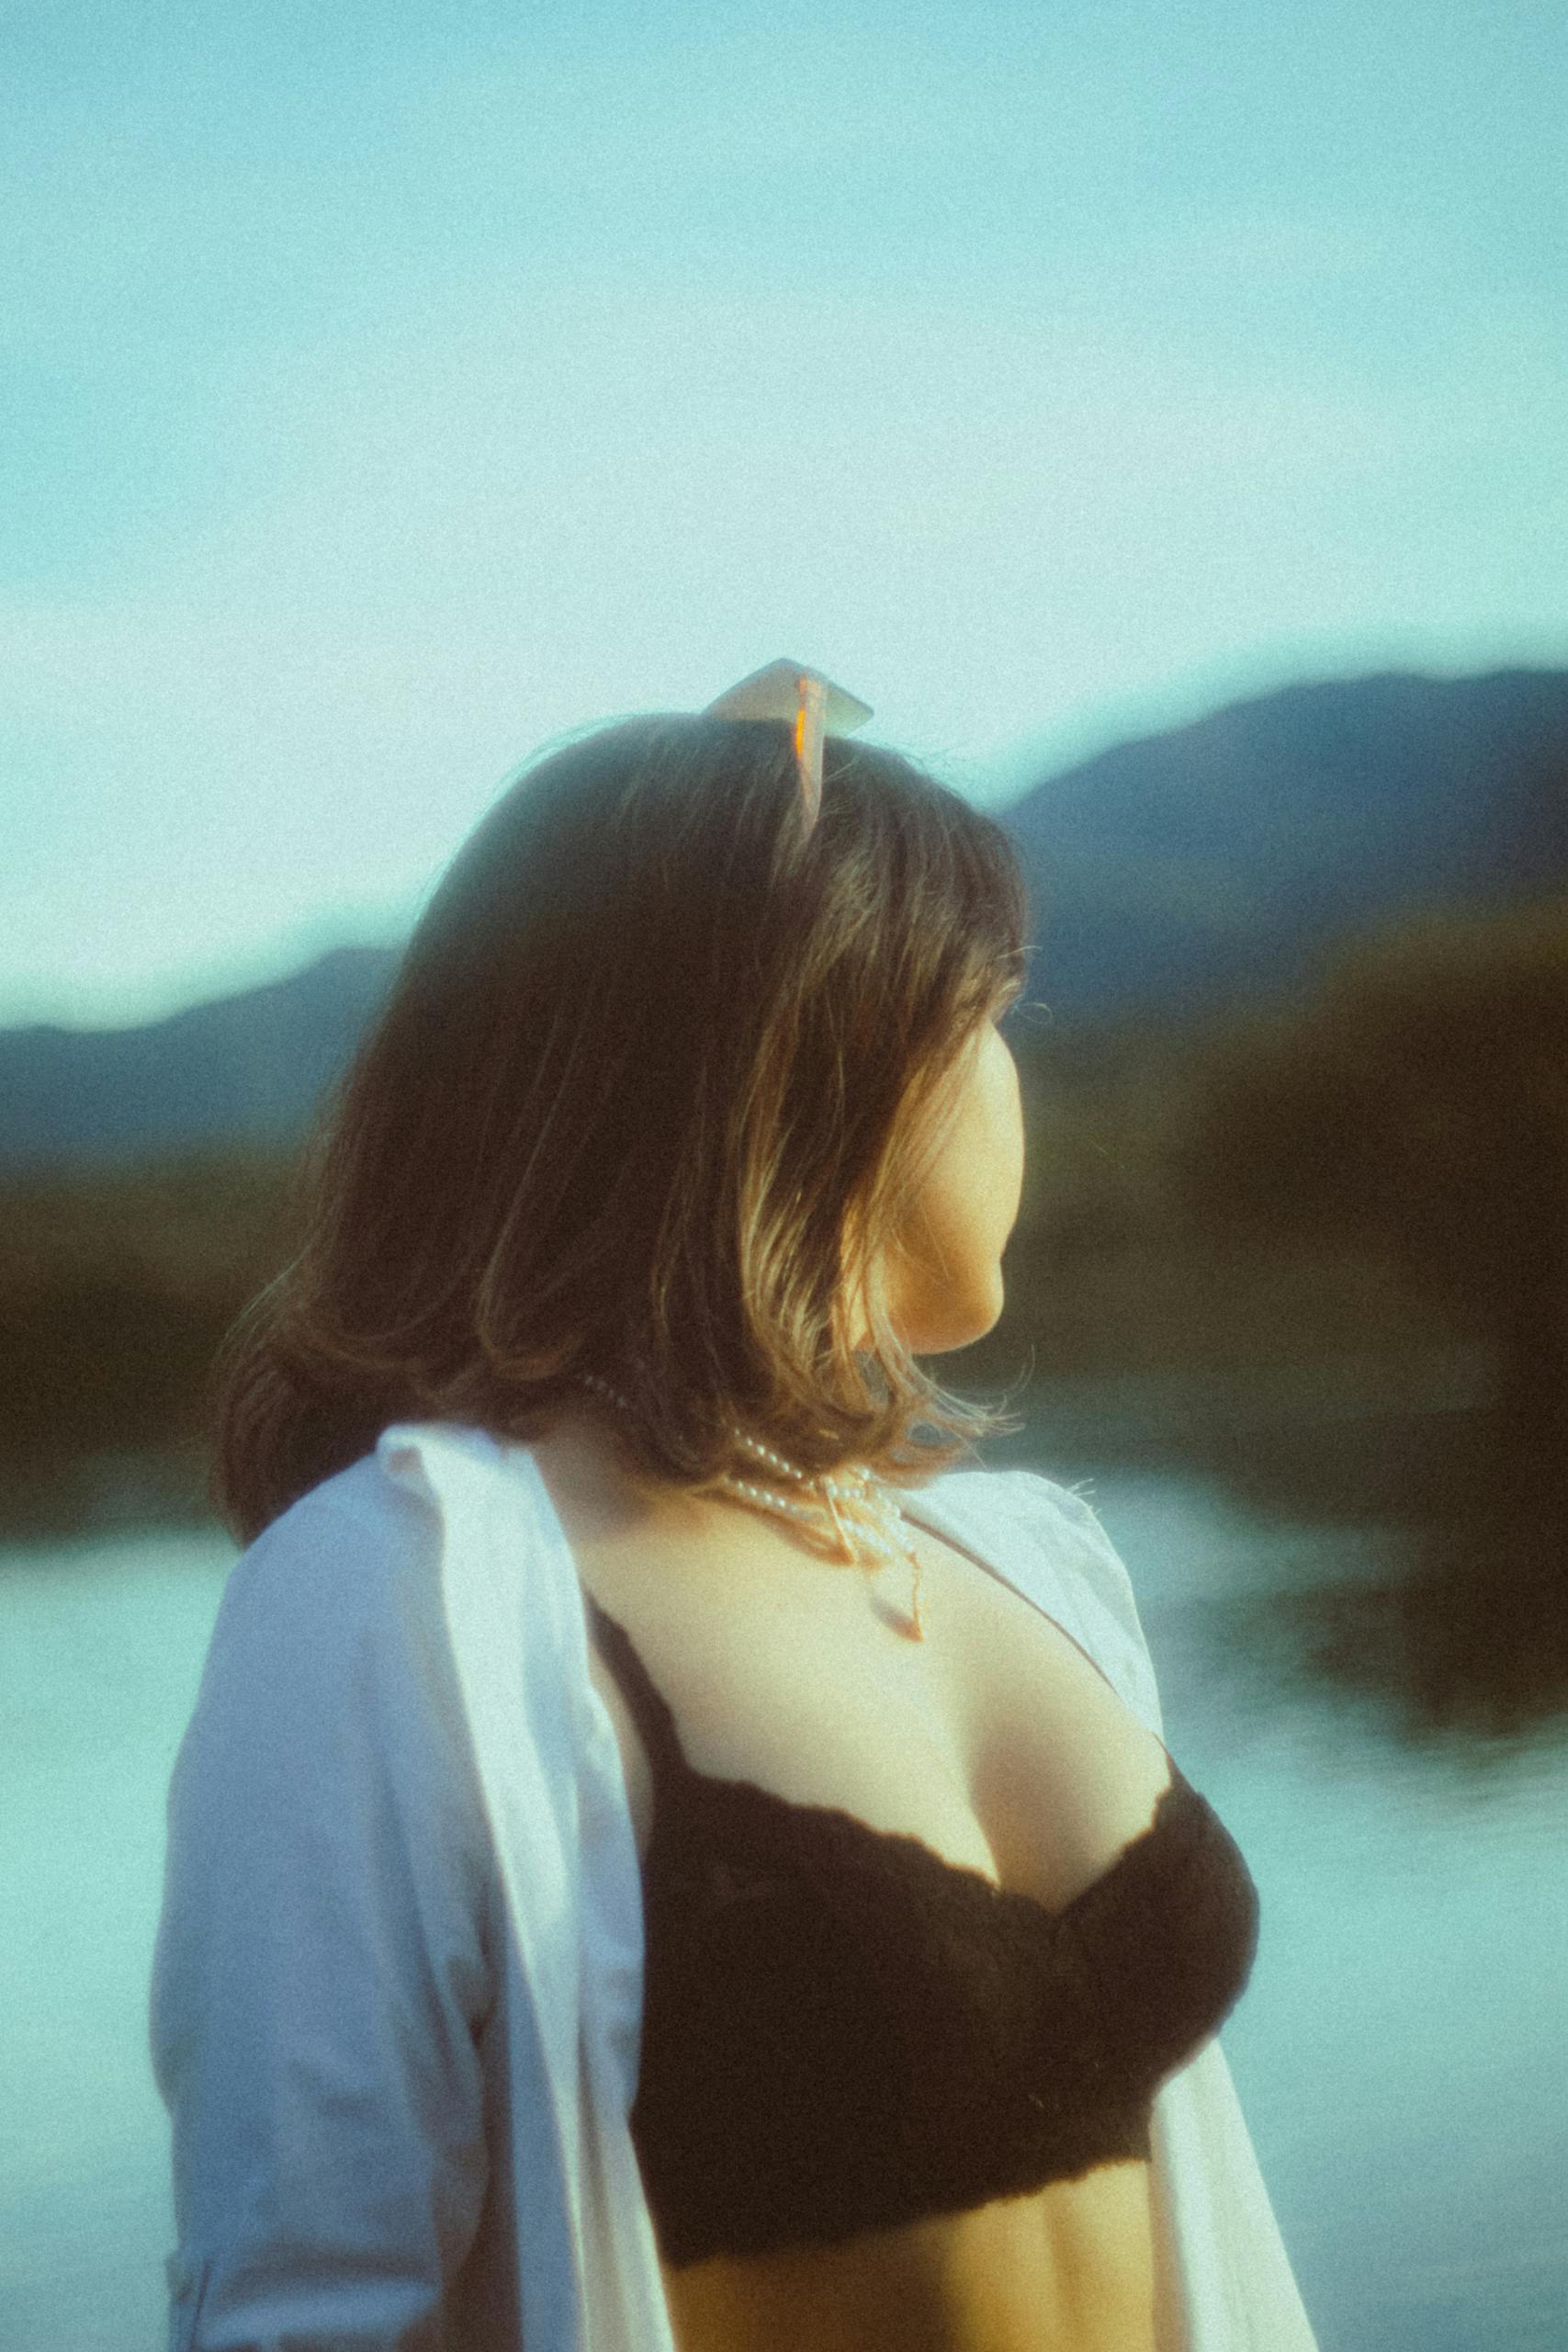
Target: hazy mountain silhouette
{"points": [[1173, 875], [1222, 859], [243, 1068]]}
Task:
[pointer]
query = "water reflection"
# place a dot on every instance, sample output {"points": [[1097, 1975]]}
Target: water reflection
{"points": [[1452, 1616], [62, 1495], [1432, 1579]]}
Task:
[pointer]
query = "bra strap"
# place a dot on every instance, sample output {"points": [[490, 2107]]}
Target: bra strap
{"points": [[650, 1710]]}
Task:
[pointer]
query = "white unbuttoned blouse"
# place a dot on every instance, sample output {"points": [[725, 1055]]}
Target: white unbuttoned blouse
{"points": [[397, 1990]]}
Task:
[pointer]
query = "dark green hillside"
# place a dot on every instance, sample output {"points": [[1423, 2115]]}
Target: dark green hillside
{"points": [[1339, 1202], [115, 1291]]}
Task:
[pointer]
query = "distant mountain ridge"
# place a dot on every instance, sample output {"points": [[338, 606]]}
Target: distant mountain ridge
{"points": [[1222, 859], [240, 1070], [1170, 875]]}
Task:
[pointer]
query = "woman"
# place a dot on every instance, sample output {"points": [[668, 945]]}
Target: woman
{"points": [[661, 1858]]}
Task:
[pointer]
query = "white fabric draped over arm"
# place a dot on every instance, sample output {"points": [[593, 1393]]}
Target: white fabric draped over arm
{"points": [[323, 1965]]}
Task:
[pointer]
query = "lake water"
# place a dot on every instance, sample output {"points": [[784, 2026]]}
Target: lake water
{"points": [[1402, 2051]]}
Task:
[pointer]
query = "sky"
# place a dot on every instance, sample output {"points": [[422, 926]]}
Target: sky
{"points": [[385, 390]]}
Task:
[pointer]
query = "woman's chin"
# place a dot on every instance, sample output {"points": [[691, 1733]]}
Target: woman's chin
{"points": [[944, 1325], [943, 1335]]}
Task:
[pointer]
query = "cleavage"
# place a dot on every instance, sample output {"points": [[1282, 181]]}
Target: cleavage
{"points": [[904, 1760]]}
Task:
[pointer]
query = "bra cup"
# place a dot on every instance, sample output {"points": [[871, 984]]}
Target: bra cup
{"points": [[844, 2030]]}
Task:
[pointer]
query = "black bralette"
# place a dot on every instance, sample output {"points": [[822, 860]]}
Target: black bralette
{"points": [[843, 2031]]}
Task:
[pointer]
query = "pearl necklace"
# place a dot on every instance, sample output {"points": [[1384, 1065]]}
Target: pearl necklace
{"points": [[875, 1520]]}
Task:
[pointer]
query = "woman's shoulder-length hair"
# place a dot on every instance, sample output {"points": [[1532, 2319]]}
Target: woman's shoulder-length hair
{"points": [[657, 1078]]}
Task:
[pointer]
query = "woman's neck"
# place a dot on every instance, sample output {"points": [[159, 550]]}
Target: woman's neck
{"points": [[585, 1462]]}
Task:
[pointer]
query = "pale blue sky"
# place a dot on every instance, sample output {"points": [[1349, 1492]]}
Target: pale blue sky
{"points": [[387, 389]]}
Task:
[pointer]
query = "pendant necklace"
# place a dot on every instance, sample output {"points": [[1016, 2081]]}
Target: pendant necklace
{"points": [[858, 1509]]}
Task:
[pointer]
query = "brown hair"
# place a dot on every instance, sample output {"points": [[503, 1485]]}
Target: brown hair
{"points": [[656, 1081]]}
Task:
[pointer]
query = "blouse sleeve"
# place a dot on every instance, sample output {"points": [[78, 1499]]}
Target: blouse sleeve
{"points": [[322, 1967]]}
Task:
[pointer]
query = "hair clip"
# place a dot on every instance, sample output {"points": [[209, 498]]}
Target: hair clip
{"points": [[811, 703]]}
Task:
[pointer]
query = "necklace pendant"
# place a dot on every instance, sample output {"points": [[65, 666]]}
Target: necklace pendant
{"points": [[845, 1545], [917, 1626], [864, 1500]]}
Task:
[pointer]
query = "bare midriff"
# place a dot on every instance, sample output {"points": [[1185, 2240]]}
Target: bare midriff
{"points": [[1068, 2268]]}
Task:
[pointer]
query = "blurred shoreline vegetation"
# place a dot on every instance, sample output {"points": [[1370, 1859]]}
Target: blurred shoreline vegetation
{"points": [[117, 1285], [1372, 1176], [1242, 1238], [1330, 1237]]}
